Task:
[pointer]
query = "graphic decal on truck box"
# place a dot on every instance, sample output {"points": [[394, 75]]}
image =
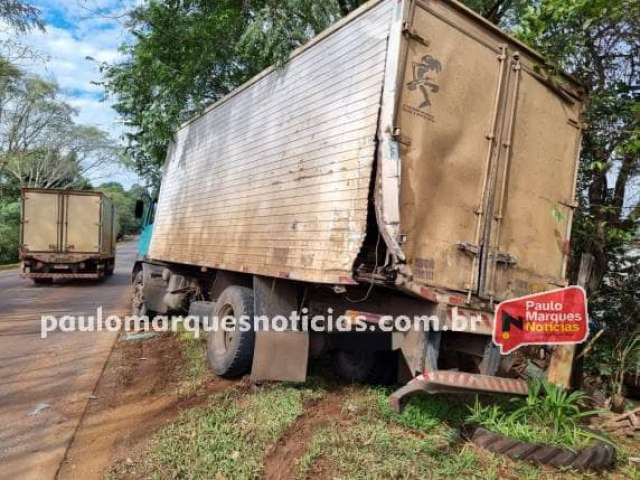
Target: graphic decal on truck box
{"points": [[421, 79]]}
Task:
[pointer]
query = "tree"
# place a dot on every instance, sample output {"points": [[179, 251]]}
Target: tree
{"points": [[20, 15], [186, 55], [40, 144], [124, 202], [9, 231]]}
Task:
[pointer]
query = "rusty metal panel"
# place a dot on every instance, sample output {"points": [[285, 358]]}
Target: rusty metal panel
{"points": [[275, 178], [40, 221], [445, 114], [488, 152], [533, 219]]}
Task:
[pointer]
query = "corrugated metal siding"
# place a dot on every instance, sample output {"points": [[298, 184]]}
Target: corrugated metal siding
{"points": [[275, 179]]}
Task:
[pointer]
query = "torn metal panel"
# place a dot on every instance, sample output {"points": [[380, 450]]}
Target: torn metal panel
{"points": [[274, 180]]}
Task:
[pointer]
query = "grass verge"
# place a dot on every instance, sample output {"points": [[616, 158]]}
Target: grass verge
{"points": [[195, 369], [421, 442], [227, 439]]}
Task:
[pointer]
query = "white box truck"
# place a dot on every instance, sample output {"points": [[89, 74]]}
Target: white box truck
{"points": [[412, 159]]}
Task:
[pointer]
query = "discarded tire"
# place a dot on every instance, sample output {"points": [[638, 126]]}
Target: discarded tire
{"points": [[597, 456]]}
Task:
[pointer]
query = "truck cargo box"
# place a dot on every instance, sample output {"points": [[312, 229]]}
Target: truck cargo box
{"points": [[414, 124], [65, 227]]}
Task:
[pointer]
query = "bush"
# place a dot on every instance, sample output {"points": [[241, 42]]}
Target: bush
{"points": [[9, 231], [548, 415]]}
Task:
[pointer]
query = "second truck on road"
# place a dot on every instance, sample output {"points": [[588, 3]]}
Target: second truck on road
{"points": [[67, 234]]}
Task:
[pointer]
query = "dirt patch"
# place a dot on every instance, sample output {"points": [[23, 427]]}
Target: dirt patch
{"points": [[137, 394], [282, 459]]}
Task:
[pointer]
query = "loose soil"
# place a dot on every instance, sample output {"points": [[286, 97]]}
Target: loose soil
{"points": [[282, 459], [137, 394]]}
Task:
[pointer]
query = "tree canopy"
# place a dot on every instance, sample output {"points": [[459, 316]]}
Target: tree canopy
{"points": [[41, 144], [188, 54]]}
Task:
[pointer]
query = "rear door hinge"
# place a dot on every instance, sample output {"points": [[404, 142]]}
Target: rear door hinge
{"points": [[410, 32], [400, 138]]}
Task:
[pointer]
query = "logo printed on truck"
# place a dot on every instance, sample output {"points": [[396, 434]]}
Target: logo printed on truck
{"points": [[422, 79]]}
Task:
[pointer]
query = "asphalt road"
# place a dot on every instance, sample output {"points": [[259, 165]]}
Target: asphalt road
{"points": [[45, 384]]}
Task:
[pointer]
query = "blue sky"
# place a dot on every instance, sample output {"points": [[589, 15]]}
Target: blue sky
{"points": [[75, 30]]}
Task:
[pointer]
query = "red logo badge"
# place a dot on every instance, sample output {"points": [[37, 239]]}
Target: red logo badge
{"points": [[555, 317]]}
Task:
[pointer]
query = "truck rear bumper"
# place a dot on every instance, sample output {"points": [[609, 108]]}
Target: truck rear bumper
{"points": [[62, 275], [442, 381]]}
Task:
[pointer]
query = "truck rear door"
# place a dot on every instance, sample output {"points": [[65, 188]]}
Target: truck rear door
{"points": [[82, 232], [41, 221], [533, 189], [489, 152]]}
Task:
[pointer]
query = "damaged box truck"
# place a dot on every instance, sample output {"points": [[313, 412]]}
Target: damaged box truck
{"points": [[413, 160]]}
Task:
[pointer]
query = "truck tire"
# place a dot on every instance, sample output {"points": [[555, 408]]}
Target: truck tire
{"points": [[362, 366], [138, 305], [230, 353], [597, 456]]}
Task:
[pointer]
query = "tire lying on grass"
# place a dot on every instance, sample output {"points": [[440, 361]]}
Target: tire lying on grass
{"points": [[597, 456]]}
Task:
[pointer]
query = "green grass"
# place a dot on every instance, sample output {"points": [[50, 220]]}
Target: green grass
{"points": [[229, 437], [376, 442], [375, 449], [422, 413], [194, 370], [421, 442], [194, 353], [549, 415]]}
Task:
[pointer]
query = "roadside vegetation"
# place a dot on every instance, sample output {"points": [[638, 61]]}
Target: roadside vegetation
{"points": [[548, 415], [195, 370], [351, 432], [228, 438], [223, 44]]}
